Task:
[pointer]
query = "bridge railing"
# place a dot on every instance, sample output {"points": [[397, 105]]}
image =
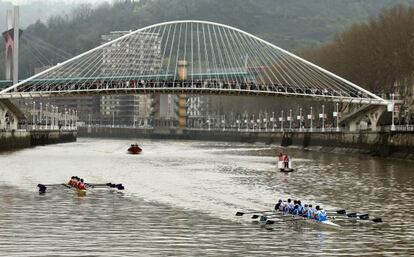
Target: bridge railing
{"points": [[408, 128]]}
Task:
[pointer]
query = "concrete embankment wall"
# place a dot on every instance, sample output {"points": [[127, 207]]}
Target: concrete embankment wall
{"points": [[388, 144], [18, 139]]}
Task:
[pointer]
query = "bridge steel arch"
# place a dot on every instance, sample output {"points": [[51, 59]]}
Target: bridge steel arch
{"points": [[191, 57]]}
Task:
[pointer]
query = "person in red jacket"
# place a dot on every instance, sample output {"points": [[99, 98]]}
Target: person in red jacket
{"points": [[81, 184], [286, 161]]}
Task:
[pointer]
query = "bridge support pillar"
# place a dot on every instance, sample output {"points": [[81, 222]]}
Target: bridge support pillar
{"points": [[373, 113], [182, 111], [374, 116], [9, 120], [182, 99]]}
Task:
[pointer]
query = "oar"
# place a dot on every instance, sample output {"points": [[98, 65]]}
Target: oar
{"points": [[341, 211], [111, 185], [255, 216], [356, 216], [240, 213], [49, 185]]}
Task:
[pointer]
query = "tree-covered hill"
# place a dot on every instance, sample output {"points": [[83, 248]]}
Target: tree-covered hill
{"points": [[293, 24]]}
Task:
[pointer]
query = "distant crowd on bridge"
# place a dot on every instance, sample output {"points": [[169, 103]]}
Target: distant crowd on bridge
{"points": [[198, 85]]}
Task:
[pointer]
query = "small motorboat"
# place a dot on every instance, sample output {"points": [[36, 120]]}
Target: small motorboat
{"points": [[134, 149]]}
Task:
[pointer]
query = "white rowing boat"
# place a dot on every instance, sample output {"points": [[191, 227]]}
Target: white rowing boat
{"points": [[324, 224]]}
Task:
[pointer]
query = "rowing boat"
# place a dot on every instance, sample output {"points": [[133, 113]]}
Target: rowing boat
{"points": [[80, 192], [324, 224]]}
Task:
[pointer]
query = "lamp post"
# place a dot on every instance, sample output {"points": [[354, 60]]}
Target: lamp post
{"points": [[41, 115], [311, 119], [66, 114], [393, 109], [337, 117], [290, 119], [34, 116], [113, 118], [246, 122], [323, 118], [46, 116], [300, 119], [273, 121], [281, 120], [253, 122], [57, 116]]}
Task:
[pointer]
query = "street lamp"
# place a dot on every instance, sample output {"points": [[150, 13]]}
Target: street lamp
{"points": [[281, 120], [393, 108], [323, 118], [34, 116], [66, 114], [290, 119], [300, 119], [273, 121], [113, 118], [311, 119], [337, 117]]}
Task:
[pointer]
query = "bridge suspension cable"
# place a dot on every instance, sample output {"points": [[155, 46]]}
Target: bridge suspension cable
{"points": [[194, 57]]}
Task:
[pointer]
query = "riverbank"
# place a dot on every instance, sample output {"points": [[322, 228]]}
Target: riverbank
{"points": [[19, 139], [398, 145]]}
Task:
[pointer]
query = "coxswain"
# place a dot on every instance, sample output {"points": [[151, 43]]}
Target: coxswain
{"points": [[320, 214], [81, 185]]}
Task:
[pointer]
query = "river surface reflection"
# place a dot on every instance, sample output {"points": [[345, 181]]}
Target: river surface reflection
{"points": [[181, 197]]}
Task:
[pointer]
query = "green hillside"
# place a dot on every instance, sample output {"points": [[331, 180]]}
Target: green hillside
{"points": [[294, 24]]}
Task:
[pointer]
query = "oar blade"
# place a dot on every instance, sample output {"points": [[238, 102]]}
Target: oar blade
{"points": [[239, 213], [352, 215], [255, 216], [341, 211], [377, 220]]}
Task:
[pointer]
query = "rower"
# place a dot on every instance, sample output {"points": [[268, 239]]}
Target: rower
{"points": [[305, 210], [76, 182], [320, 214], [297, 210], [81, 185], [278, 205], [71, 180], [289, 206], [310, 212], [301, 208]]}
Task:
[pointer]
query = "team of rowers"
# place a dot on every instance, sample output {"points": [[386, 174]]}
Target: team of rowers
{"points": [[77, 183], [295, 207]]}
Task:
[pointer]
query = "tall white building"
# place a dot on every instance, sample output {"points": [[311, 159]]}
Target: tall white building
{"points": [[136, 55]]}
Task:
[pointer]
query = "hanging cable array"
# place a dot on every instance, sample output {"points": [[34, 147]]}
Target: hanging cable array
{"points": [[194, 57]]}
